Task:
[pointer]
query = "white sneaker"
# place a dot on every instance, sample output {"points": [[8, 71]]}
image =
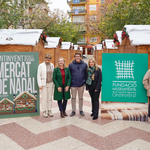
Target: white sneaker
{"points": [[50, 113], [45, 114]]}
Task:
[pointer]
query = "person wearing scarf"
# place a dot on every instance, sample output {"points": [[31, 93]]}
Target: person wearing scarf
{"points": [[146, 82], [93, 85]]}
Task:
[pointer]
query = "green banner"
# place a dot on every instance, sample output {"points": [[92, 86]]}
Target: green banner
{"points": [[122, 76], [19, 93]]}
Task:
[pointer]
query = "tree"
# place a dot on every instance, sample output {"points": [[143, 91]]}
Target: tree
{"points": [[36, 15], [64, 29], [55, 24], [14, 10], [118, 14]]}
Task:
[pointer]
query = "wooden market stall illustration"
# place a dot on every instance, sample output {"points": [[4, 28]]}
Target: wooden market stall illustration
{"points": [[25, 103], [6, 106]]}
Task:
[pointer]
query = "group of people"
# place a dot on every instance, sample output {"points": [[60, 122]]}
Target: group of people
{"points": [[65, 79]]}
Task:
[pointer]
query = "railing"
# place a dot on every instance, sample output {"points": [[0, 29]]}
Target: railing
{"points": [[68, 1], [82, 43], [79, 11], [102, 1], [82, 32], [80, 22]]}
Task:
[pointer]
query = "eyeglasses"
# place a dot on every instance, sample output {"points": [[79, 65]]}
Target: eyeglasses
{"points": [[77, 56], [47, 58]]}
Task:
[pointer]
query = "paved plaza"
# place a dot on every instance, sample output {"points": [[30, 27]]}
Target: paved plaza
{"points": [[73, 133]]}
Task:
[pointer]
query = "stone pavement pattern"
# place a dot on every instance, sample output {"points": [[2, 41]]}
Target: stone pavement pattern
{"points": [[73, 133]]}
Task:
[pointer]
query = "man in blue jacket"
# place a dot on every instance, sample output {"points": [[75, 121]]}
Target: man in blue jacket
{"points": [[78, 71]]}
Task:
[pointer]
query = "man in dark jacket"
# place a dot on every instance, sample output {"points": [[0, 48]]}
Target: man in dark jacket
{"points": [[78, 70]]}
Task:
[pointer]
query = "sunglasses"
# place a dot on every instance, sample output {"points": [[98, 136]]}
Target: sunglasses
{"points": [[47, 57]]}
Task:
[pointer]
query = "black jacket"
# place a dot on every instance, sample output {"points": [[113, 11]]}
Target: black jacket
{"points": [[77, 71], [96, 83]]}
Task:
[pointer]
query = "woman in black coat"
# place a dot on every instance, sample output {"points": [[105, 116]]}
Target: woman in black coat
{"points": [[93, 85]]}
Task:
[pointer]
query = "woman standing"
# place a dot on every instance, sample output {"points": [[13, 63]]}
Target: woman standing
{"points": [[62, 81], [146, 82], [93, 85], [45, 83]]}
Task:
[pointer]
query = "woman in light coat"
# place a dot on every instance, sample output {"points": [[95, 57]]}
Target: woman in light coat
{"points": [[146, 82], [45, 83]]}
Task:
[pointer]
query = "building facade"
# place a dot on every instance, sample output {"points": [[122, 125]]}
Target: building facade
{"points": [[82, 11]]}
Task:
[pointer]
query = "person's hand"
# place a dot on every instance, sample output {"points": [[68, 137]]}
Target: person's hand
{"points": [[66, 88], [59, 89], [95, 90], [41, 87]]}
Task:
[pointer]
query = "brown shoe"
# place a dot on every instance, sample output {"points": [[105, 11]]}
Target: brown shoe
{"points": [[62, 114], [65, 113]]}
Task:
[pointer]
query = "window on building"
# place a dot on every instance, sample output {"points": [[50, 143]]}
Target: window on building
{"points": [[78, 7], [102, 1], [92, 7], [93, 39], [93, 18], [78, 18], [81, 41]]}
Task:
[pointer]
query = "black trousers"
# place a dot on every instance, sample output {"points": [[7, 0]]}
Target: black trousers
{"points": [[62, 103], [149, 108], [95, 102]]}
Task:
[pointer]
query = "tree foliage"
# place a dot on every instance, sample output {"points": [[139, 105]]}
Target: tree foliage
{"points": [[14, 10], [114, 16], [31, 14]]}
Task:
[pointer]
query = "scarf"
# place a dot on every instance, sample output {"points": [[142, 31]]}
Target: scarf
{"points": [[90, 75]]}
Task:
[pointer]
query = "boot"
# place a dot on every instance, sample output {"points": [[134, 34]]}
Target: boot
{"points": [[65, 113], [62, 114]]}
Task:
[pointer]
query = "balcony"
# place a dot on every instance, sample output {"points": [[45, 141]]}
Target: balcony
{"points": [[77, 11], [70, 2], [83, 32], [81, 43], [80, 22]]}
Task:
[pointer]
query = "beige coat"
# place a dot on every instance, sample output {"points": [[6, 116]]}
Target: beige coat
{"points": [[146, 82], [41, 75]]}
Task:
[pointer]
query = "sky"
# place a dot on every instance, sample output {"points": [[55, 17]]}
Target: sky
{"points": [[61, 4]]}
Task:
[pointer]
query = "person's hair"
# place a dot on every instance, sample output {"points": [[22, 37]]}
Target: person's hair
{"points": [[95, 63], [48, 55], [64, 62], [77, 54]]}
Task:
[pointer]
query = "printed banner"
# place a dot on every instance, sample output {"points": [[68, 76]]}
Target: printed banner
{"points": [[76, 11], [122, 76], [76, 1], [19, 94]]}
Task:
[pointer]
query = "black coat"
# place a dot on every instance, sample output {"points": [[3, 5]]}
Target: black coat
{"points": [[78, 71], [96, 83]]}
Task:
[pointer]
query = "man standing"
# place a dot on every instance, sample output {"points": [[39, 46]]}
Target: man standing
{"points": [[77, 69]]}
